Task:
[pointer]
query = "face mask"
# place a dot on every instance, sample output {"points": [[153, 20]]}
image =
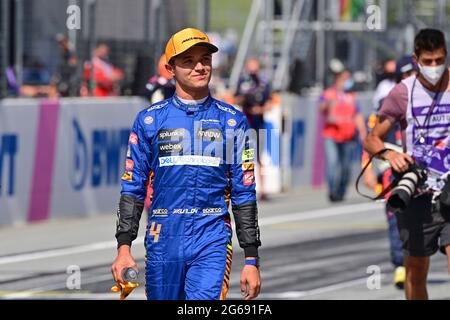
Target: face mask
{"points": [[432, 74], [348, 84]]}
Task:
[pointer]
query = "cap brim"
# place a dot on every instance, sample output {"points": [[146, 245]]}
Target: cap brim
{"points": [[406, 68], [208, 45], [212, 48]]}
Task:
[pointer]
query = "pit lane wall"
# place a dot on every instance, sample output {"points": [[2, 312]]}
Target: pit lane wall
{"points": [[61, 158]]}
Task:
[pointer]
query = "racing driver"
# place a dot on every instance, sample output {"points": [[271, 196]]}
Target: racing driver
{"points": [[197, 154]]}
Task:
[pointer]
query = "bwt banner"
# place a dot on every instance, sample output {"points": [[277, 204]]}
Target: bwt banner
{"points": [[62, 157]]}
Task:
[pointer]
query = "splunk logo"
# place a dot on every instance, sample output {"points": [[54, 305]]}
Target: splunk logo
{"points": [[97, 156], [8, 151]]}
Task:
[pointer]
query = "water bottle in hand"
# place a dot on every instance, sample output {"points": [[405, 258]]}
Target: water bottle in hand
{"points": [[130, 275]]}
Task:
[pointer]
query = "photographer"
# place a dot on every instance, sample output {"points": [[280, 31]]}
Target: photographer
{"points": [[379, 176], [418, 104]]}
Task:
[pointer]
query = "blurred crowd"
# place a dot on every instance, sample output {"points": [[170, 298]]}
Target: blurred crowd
{"points": [[96, 77], [99, 76]]}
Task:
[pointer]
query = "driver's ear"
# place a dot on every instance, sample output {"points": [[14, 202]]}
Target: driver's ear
{"points": [[170, 67]]}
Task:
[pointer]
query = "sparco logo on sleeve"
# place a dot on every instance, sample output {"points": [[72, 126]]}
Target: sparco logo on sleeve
{"points": [[160, 212], [226, 109]]}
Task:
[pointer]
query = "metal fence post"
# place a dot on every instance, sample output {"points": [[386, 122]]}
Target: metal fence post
{"points": [[4, 46], [18, 45]]}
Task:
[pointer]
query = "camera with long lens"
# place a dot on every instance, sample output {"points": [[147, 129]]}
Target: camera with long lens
{"points": [[401, 195]]}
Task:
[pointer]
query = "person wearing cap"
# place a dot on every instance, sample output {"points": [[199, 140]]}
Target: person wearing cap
{"points": [[200, 158], [379, 176], [386, 85], [405, 68]]}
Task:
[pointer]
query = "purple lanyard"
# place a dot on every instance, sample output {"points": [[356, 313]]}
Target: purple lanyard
{"points": [[430, 111]]}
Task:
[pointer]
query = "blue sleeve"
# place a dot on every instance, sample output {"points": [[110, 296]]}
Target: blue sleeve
{"points": [[243, 193], [242, 169], [138, 162]]}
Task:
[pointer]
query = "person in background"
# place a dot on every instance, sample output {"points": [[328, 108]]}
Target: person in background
{"points": [[67, 77], [35, 73], [253, 94], [385, 85], [36, 80], [100, 77], [160, 86], [343, 121], [379, 176]]}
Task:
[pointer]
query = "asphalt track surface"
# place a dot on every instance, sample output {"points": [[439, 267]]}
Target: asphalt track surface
{"points": [[311, 250]]}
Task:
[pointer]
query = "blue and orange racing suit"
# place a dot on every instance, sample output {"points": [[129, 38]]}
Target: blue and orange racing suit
{"points": [[199, 158]]}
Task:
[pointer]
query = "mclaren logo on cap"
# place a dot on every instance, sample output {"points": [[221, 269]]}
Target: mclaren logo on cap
{"points": [[194, 38]]}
